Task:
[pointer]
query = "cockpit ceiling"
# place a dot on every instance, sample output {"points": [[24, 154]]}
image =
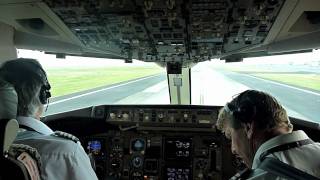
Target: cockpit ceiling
{"points": [[168, 30]]}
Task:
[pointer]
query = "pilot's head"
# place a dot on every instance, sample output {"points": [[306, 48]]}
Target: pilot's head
{"points": [[31, 84], [250, 119]]}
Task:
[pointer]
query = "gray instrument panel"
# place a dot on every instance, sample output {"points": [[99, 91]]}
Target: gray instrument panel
{"points": [[168, 30], [159, 142], [162, 116]]}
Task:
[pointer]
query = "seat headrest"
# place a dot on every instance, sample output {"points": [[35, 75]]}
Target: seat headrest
{"points": [[8, 133], [8, 100]]}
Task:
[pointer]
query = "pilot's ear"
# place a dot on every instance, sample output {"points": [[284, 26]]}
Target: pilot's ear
{"points": [[249, 128]]}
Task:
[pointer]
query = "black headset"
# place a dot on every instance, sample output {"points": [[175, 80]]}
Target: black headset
{"points": [[45, 93], [22, 67]]}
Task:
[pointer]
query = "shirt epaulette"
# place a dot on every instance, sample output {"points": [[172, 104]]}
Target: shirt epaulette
{"points": [[66, 136]]}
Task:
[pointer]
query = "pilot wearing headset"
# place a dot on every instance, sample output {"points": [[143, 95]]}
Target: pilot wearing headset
{"points": [[261, 135], [62, 155]]}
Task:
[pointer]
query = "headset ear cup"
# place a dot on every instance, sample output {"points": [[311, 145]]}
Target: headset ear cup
{"points": [[232, 115], [42, 97], [235, 121], [237, 116], [48, 94], [44, 94], [246, 112]]}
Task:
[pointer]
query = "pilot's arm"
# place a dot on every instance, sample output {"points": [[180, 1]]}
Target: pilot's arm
{"points": [[81, 166], [72, 162]]}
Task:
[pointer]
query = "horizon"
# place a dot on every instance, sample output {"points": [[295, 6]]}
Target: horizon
{"points": [[50, 60]]}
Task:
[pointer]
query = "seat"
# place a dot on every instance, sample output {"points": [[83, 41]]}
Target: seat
{"points": [[18, 161]]}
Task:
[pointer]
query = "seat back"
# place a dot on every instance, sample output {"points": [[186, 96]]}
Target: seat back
{"points": [[18, 161], [8, 132], [12, 168]]}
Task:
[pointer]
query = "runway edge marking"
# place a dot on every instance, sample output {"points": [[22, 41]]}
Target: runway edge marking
{"points": [[93, 92], [288, 86]]}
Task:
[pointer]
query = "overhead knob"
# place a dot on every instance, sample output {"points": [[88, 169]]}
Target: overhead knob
{"points": [[125, 116], [185, 116], [112, 115]]}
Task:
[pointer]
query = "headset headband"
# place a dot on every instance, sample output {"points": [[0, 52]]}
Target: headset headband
{"points": [[242, 108]]}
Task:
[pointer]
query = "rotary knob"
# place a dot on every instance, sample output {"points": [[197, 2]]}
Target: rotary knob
{"points": [[137, 162], [185, 116], [160, 115], [125, 116], [112, 116]]}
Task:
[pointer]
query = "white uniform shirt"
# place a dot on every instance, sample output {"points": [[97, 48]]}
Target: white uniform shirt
{"points": [[305, 158], [62, 159]]}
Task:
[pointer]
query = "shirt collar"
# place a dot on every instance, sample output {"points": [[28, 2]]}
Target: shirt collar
{"points": [[276, 141], [34, 124]]}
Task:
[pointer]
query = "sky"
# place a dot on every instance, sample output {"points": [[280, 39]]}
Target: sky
{"points": [[301, 58], [50, 61]]}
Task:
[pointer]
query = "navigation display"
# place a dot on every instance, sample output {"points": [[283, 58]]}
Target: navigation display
{"points": [[178, 173], [94, 147]]}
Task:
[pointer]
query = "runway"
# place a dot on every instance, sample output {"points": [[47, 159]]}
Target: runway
{"points": [[209, 87]]}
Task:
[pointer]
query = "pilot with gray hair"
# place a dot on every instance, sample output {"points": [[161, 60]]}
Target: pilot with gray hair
{"points": [[62, 155], [262, 136]]}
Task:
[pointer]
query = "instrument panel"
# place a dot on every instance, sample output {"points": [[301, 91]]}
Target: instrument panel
{"points": [[159, 142], [156, 155], [122, 146]]}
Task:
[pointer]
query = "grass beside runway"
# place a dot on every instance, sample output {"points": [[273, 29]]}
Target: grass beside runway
{"points": [[305, 79], [67, 81], [310, 81]]}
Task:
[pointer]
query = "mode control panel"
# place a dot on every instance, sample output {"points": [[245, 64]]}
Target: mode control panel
{"points": [[183, 115]]}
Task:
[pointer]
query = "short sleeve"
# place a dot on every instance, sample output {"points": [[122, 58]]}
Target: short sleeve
{"points": [[63, 159], [81, 168]]}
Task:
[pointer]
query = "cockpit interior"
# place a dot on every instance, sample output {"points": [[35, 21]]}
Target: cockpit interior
{"points": [[178, 140]]}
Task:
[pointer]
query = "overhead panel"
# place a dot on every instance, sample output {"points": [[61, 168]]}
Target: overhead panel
{"points": [[168, 30]]}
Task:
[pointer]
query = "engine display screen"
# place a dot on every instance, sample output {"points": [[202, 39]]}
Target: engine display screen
{"points": [[178, 148], [94, 147], [175, 173]]}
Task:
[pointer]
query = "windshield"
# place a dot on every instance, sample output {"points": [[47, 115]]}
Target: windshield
{"points": [[79, 82], [293, 79]]}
